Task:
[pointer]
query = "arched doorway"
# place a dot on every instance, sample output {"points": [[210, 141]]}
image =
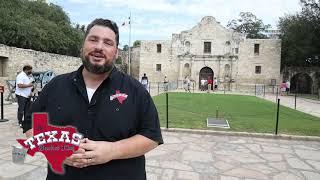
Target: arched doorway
{"points": [[301, 83], [206, 73]]}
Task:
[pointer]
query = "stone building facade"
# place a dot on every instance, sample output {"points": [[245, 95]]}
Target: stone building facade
{"points": [[209, 50]]}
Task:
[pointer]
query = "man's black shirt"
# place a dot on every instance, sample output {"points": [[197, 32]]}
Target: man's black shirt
{"points": [[120, 108]]}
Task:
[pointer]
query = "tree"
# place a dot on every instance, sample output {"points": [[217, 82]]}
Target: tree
{"points": [[137, 43], [39, 26], [126, 47], [249, 24], [300, 34]]}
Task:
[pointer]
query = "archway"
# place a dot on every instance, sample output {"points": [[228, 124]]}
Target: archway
{"points": [[301, 83], [206, 73]]}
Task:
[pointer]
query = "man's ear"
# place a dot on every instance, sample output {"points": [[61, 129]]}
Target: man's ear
{"points": [[117, 54]]}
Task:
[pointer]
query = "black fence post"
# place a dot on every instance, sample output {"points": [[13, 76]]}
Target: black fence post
{"points": [[277, 117], [264, 90], [158, 88], [277, 93], [2, 119], [167, 110], [295, 100]]}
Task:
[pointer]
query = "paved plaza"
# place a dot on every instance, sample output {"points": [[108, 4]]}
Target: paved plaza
{"points": [[191, 156]]}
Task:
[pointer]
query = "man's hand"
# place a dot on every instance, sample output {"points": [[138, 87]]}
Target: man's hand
{"points": [[76, 159], [97, 152]]}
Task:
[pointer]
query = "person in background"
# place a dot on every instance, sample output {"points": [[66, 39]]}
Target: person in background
{"points": [[209, 84], [23, 91], [215, 83], [288, 87], [144, 81], [166, 83], [202, 84]]}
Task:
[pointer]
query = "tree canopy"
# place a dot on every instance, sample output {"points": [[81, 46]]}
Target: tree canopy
{"points": [[300, 34], [39, 26], [250, 25]]}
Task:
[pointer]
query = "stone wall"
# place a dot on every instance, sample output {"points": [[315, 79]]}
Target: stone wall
{"points": [[149, 58], [269, 58], [13, 59]]}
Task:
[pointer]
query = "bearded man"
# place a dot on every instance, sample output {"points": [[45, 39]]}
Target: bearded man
{"points": [[112, 110]]}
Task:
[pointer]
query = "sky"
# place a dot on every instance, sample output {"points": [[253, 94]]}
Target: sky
{"points": [[158, 19]]}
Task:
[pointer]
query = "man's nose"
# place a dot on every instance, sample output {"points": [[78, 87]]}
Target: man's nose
{"points": [[99, 45]]}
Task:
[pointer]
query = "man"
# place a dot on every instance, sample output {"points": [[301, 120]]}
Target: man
{"points": [[209, 84], [144, 81], [288, 87], [203, 84], [23, 91], [112, 110], [166, 83]]}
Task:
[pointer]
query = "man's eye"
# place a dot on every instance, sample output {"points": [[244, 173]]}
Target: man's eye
{"points": [[93, 39], [109, 43]]}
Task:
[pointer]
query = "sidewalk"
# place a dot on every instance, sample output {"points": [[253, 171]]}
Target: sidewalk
{"points": [[187, 156]]}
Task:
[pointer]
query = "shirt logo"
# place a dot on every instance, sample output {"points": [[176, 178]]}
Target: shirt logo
{"points": [[119, 96], [56, 143]]}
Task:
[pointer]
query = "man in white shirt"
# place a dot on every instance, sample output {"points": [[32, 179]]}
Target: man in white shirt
{"points": [[23, 91], [145, 81]]}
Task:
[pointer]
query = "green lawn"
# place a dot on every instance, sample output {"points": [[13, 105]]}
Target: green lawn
{"points": [[244, 113]]}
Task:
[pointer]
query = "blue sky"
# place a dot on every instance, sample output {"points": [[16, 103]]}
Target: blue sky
{"points": [[158, 19]]}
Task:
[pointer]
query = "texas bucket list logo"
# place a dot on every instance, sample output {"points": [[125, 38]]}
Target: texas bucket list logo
{"points": [[56, 143]]}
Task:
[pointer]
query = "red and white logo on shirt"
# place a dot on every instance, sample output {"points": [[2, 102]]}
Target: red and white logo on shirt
{"points": [[119, 96]]}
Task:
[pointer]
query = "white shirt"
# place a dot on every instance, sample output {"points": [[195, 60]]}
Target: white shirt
{"points": [[203, 82], [90, 93], [22, 78]]}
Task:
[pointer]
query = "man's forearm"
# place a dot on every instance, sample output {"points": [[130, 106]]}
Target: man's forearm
{"points": [[24, 85], [132, 147]]}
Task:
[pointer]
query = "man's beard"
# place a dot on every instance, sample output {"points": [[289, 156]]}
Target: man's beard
{"points": [[94, 68]]}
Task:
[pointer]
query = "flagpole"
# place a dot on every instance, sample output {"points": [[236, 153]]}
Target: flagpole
{"points": [[129, 53]]}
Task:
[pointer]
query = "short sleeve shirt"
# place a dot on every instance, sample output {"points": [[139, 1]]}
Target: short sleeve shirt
{"points": [[120, 108], [22, 78]]}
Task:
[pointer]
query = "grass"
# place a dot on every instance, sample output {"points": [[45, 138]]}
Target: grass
{"points": [[244, 113]]}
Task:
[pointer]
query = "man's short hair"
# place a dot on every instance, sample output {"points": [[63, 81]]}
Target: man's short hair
{"points": [[106, 23], [26, 68]]}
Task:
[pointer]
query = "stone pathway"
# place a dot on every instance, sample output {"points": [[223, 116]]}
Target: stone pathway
{"points": [[187, 156]]}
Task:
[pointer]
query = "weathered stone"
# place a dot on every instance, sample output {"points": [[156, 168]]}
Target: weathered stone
{"points": [[271, 157], [9, 169], [307, 154], [185, 175], [315, 164], [175, 165], [311, 175], [184, 55], [286, 176], [196, 156], [168, 174], [298, 164], [246, 173]]}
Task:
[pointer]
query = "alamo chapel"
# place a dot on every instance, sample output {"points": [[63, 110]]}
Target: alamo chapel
{"points": [[209, 50]]}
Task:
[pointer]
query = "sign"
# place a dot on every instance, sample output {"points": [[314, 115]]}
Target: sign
{"points": [[1, 89]]}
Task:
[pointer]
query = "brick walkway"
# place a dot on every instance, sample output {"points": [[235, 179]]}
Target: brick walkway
{"points": [[187, 156]]}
